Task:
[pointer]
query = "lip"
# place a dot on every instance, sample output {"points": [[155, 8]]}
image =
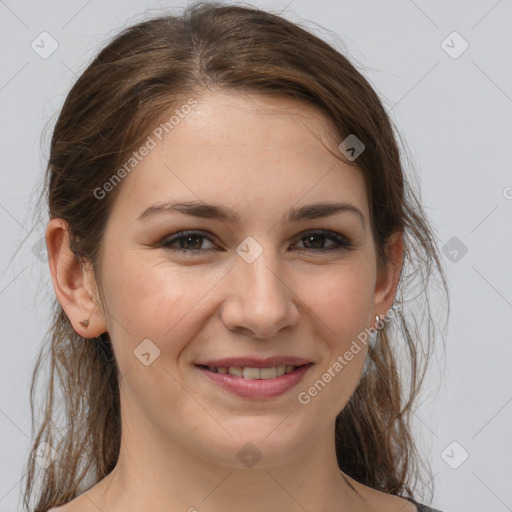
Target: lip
{"points": [[255, 362], [256, 389]]}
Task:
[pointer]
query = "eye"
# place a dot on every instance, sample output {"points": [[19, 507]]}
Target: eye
{"points": [[191, 242], [321, 236]]}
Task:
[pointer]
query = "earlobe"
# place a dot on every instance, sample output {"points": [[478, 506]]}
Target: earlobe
{"points": [[388, 277], [71, 281]]}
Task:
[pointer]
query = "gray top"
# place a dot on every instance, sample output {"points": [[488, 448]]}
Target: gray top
{"points": [[423, 508]]}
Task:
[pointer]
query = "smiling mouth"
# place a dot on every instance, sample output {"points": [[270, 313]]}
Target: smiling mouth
{"points": [[251, 373], [255, 383]]}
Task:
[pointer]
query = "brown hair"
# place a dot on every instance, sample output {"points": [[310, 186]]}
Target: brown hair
{"points": [[129, 87]]}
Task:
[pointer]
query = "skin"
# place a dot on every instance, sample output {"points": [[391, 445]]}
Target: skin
{"points": [[260, 156]]}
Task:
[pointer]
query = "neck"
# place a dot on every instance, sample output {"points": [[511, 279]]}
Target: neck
{"points": [[153, 473]]}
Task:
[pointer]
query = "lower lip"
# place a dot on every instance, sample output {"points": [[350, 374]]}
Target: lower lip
{"points": [[257, 389]]}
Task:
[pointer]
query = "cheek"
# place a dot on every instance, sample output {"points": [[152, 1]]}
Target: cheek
{"points": [[151, 298], [341, 298], [340, 304]]}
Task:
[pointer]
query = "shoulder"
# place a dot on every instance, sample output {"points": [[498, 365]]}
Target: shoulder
{"points": [[389, 502], [404, 504], [425, 508], [381, 501], [87, 501], [76, 505]]}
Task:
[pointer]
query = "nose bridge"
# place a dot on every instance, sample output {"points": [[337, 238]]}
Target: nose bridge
{"points": [[262, 276], [263, 303]]}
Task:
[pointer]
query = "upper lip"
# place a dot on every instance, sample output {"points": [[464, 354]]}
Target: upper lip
{"points": [[255, 362]]}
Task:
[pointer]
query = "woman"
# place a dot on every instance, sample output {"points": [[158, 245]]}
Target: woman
{"points": [[229, 228]]}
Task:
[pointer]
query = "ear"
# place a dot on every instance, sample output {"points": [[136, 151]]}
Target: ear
{"points": [[388, 276], [73, 282]]}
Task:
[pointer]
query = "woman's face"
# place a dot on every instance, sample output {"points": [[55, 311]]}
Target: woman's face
{"points": [[257, 285]]}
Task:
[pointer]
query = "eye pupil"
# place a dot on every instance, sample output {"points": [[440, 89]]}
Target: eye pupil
{"points": [[186, 239], [308, 238]]}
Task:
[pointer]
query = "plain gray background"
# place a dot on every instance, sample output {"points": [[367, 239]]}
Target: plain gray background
{"points": [[455, 111]]}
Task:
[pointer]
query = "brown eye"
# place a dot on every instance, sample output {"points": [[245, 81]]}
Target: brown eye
{"points": [[191, 242], [316, 240], [187, 241]]}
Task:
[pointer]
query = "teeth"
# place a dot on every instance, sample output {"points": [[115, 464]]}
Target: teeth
{"points": [[254, 373], [235, 370], [268, 373]]}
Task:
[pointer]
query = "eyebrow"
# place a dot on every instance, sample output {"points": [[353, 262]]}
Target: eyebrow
{"points": [[213, 211]]}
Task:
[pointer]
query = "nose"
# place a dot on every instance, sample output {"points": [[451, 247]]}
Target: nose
{"points": [[260, 301]]}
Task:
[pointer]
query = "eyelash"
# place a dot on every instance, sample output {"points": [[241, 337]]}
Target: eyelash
{"points": [[343, 243]]}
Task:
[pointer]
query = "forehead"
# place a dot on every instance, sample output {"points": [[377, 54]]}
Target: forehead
{"points": [[238, 148]]}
